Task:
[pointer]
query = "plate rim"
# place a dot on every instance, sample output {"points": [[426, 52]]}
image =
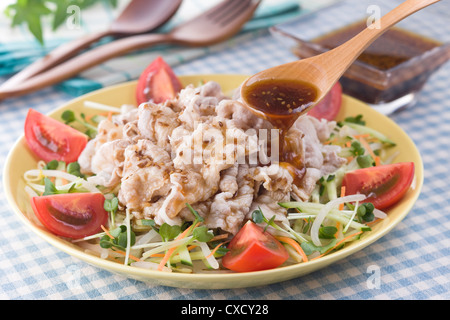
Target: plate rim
{"points": [[185, 280]]}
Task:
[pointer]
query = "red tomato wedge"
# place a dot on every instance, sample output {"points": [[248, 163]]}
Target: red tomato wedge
{"points": [[71, 215], [50, 139], [252, 249], [385, 184], [330, 105], [157, 83]]}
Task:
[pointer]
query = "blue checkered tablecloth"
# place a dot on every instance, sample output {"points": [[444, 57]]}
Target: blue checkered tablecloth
{"points": [[413, 259]]}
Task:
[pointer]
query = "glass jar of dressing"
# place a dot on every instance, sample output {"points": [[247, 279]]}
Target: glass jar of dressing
{"points": [[390, 73]]}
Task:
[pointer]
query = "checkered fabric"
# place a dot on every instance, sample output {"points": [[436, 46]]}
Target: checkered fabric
{"points": [[413, 259]]}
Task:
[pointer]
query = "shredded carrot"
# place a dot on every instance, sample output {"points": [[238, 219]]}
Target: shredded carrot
{"points": [[350, 159], [215, 249], [88, 118], [161, 255], [373, 222], [171, 250], [337, 244], [338, 224], [219, 237], [109, 116], [343, 191], [191, 247], [358, 136], [341, 206], [345, 239], [372, 140], [107, 232], [368, 148], [124, 254], [348, 144], [295, 245], [330, 141], [377, 161]]}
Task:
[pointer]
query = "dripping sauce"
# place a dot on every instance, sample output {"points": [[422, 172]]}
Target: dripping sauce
{"points": [[281, 102]]}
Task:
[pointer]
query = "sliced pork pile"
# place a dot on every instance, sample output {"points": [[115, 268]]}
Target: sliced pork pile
{"points": [[207, 150]]}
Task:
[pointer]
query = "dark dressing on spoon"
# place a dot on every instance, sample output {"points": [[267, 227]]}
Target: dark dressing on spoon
{"points": [[281, 102]]}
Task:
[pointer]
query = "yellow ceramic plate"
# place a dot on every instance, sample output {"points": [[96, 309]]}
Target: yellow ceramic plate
{"points": [[20, 159]]}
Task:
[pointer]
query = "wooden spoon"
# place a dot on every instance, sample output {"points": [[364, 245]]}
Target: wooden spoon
{"points": [[314, 76], [138, 17], [216, 24]]}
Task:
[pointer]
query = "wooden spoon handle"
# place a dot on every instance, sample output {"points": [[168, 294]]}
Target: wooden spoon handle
{"points": [[344, 55], [60, 54], [84, 61]]}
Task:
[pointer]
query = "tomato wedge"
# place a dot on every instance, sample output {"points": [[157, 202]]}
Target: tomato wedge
{"points": [[252, 249], [71, 215], [328, 108], [50, 139], [385, 184], [157, 83]]}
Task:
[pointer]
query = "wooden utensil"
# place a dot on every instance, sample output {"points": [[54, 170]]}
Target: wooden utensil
{"points": [[138, 17], [317, 73], [213, 26]]}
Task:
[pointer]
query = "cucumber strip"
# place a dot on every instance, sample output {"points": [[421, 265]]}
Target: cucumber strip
{"points": [[185, 256], [373, 132]]}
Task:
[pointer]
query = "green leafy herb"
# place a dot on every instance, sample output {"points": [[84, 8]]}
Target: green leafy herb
{"points": [[74, 169], [356, 149], [327, 232], [120, 239], [68, 116], [365, 161], [168, 232], [111, 205], [31, 12], [258, 217], [309, 247], [322, 186], [202, 234], [358, 120], [50, 188], [52, 165], [148, 222], [365, 211], [151, 223]]}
